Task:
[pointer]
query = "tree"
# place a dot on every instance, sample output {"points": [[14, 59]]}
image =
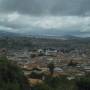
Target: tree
{"points": [[83, 83], [51, 67], [71, 63], [11, 76]]}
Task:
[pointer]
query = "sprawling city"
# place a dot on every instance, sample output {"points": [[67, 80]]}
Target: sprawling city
{"points": [[42, 58]]}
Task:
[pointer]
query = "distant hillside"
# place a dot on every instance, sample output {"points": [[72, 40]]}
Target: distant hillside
{"points": [[45, 36], [19, 41], [8, 34]]}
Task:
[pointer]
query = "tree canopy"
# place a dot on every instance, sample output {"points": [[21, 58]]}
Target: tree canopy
{"points": [[11, 76]]}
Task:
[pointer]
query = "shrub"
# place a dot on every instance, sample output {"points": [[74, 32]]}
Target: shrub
{"points": [[11, 76]]}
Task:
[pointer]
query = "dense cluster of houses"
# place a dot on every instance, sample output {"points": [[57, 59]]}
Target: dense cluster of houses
{"points": [[39, 58]]}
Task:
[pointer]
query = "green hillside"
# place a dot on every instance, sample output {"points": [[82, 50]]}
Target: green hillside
{"points": [[11, 77]]}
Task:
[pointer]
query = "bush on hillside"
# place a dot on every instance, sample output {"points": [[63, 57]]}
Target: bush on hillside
{"points": [[11, 76]]}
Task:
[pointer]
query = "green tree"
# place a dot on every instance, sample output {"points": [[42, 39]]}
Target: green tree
{"points": [[51, 67], [11, 76], [83, 83]]}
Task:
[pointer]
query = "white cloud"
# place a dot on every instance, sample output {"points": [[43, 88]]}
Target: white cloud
{"points": [[13, 16], [65, 23], [5, 28]]}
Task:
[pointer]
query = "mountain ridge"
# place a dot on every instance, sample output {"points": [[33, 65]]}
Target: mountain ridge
{"points": [[15, 34]]}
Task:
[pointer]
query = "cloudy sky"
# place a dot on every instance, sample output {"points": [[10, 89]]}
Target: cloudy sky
{"points": [[46, 17]]}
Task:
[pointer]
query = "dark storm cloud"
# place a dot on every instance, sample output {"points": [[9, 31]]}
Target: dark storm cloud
{"points": [[42, 7], [51, 17]]}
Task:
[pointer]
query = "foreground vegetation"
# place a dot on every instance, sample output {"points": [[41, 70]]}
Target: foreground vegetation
{"points": [[56, 83], [61, 83], [11, 76]]}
